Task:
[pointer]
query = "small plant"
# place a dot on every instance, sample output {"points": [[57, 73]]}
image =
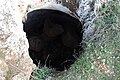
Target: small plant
{"points": [[41, 73]]}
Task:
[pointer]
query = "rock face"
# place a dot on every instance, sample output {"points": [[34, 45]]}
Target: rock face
{"points": [[14, 58], [52, 35], [87, 11]]}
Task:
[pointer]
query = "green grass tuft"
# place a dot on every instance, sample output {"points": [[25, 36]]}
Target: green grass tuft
{"points": [[41, 74]]}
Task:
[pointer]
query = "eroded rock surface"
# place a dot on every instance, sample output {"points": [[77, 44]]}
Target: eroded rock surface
{"points": [[13, 43]]}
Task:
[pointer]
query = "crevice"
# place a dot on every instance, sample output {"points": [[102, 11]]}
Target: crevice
{"points": [[53, 37]]}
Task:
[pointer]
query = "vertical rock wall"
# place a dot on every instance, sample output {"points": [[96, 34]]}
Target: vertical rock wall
{"points": [[15, 61]]}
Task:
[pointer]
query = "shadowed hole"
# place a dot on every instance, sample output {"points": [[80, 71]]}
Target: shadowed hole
{"points": [[54, 38]]}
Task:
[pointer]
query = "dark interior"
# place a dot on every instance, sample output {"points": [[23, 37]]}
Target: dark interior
{"points": [[53, 37]]}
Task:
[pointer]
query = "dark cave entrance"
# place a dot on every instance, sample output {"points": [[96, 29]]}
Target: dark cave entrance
{"points": [[53, 37]]}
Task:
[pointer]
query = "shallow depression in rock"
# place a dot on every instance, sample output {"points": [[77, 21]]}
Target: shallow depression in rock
{"points": [[53, 36]]}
